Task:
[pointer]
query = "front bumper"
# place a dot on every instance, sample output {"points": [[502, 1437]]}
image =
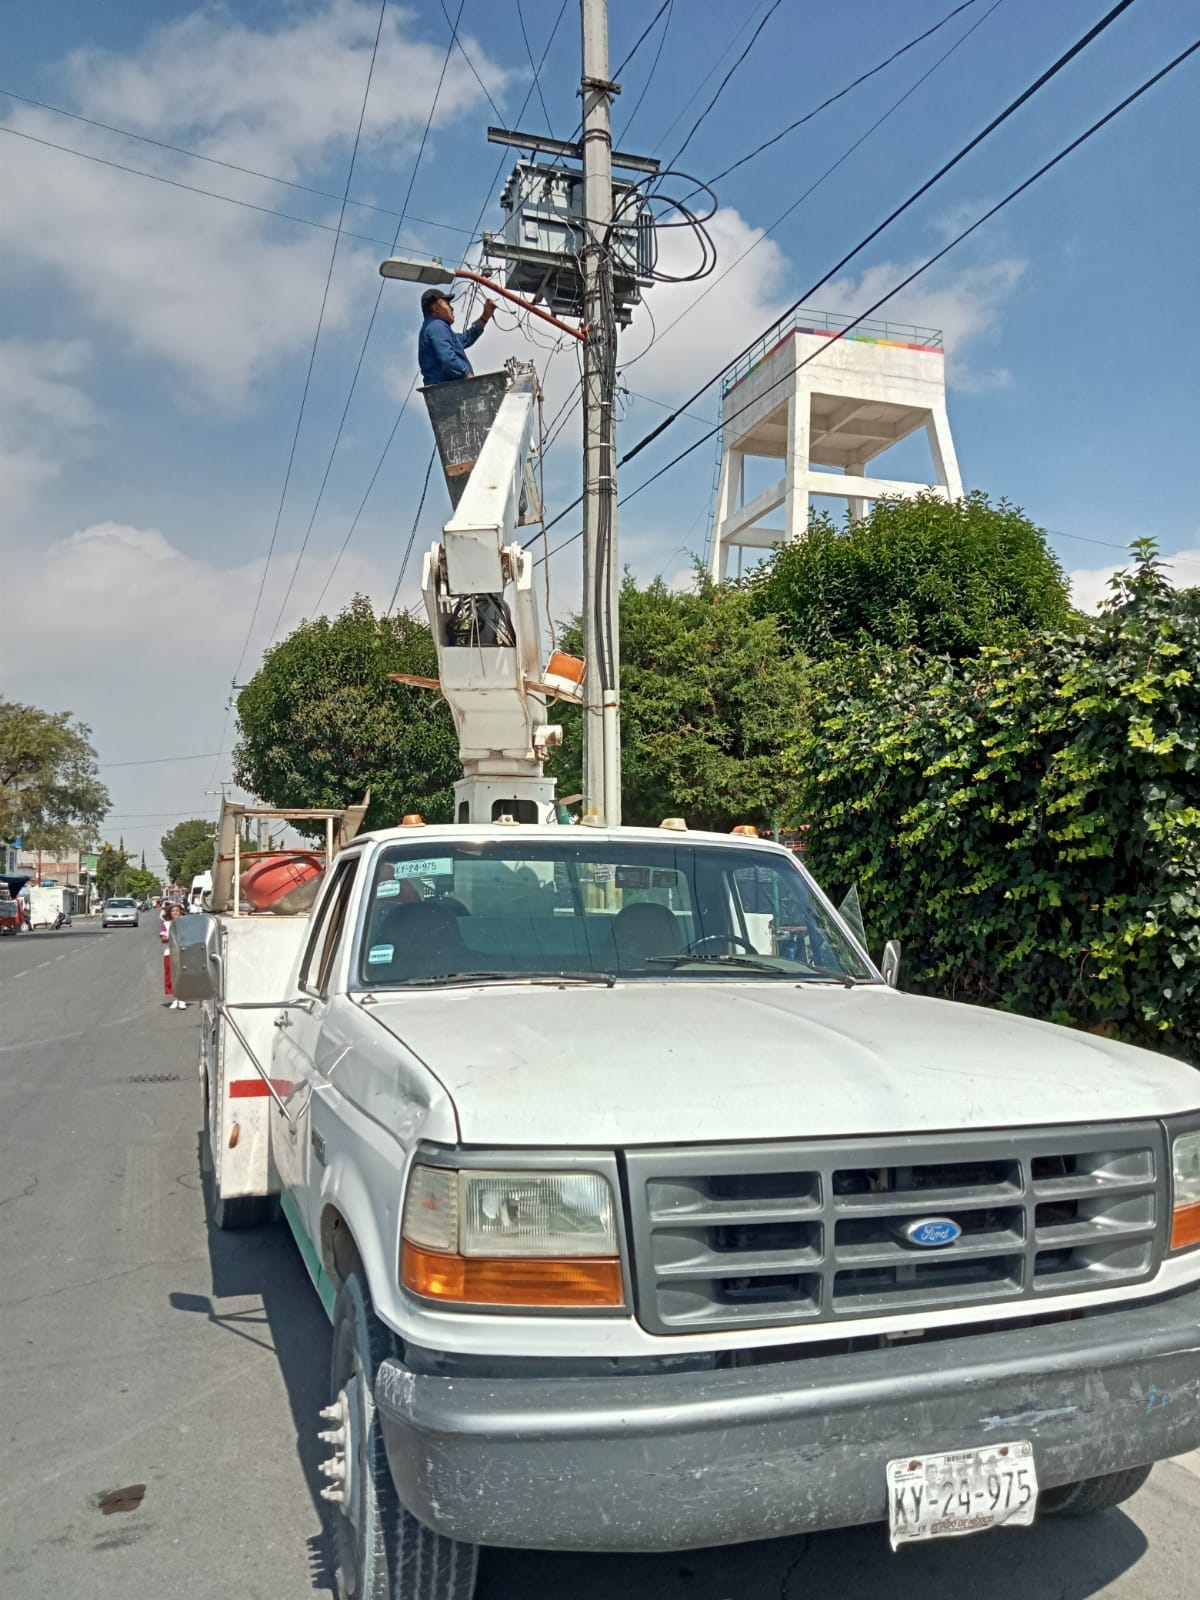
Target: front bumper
{"points": [[681, 1460]]}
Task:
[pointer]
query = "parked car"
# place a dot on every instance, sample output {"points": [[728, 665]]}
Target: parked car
{"points": [[120, 913]]}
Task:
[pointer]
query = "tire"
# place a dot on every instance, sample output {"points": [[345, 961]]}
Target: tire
{"points": [[1091, 1495], [229, 1214], [383, 1552]]}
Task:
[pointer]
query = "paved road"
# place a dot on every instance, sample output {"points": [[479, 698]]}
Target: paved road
{"points": [[137, 1347]]}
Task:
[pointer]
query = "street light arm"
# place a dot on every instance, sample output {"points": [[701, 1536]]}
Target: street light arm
{"points": [[534, 311]]}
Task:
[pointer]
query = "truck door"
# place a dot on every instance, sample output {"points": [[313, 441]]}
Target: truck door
{"points": [[308, 1047]]}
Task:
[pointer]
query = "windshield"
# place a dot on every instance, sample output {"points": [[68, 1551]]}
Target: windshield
{"points": [[120, 905], [537, 908]]}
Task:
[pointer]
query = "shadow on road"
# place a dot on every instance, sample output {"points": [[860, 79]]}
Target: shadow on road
{"points": [[264, 1263], [1060, 1559]]}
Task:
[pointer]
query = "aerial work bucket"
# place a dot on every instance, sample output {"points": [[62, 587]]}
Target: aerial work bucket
{"points": [[462, 412]]}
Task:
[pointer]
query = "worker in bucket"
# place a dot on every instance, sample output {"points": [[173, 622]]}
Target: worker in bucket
{"points": [[442, 353]]}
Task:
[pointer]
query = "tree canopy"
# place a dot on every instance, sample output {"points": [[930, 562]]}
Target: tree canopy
{"points": [[709, 700], [946, 577], [188, 849], [141, 883], [50, 790], [321, 723], [112, 870]]}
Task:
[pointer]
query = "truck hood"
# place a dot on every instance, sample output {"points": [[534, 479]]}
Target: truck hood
{"points": [[699, 1061]]}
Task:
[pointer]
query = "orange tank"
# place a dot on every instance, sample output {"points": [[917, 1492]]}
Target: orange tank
{"points": [[284, 884]]}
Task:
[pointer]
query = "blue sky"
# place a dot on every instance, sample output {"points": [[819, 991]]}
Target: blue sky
{"points": [[153, 343]]}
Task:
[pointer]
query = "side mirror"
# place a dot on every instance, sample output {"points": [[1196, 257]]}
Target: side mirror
{"points": [[194, 945], [889, 963]]}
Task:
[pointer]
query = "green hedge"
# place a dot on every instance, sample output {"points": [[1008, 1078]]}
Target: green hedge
{"points": [[1027, 821]]}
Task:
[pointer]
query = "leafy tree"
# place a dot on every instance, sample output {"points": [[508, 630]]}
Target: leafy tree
{"points": [[709, 704], [947, 577], [112, 870], [321, 723], [188, 843], [141, 883], [1028, 821], [50, 789]]}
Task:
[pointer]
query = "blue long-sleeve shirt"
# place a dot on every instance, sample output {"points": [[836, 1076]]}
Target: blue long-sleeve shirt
{"points": [[442, 353]]}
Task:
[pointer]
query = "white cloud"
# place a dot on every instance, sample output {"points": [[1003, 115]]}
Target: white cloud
{"points": [[1091, 586], [219, 294], [730, 311], [148, 639], [966, 306], [42, 407]]}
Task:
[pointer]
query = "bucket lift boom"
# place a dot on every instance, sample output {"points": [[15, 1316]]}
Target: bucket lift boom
{"points": [[477, 581]]}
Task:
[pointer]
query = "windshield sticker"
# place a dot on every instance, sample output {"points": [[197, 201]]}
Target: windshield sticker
{"points": [[436, 867], [387, 890], [633, 877], [380, 954]]}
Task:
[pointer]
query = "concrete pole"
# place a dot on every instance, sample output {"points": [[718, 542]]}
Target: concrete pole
{"points": [[601, 569]]}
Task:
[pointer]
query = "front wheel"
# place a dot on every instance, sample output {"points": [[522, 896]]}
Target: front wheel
{"points": [[384, 1553], [1090, 1495]]}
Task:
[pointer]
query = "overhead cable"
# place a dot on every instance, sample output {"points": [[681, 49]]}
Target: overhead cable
{"points": [[896, 289], [1013, 106], [695, 128], [337, 438], [841, 93], [661, 333], [669, 7], [189, 188], [212, 161], [312, 355], [462, 50], [404, 405]]}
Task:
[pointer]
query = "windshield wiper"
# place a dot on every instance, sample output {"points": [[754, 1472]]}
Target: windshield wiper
{"points": [[752, 964], [540, 978]]}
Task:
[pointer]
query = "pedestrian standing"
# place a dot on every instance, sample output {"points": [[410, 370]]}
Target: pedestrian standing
{"points": [[170, 914]]}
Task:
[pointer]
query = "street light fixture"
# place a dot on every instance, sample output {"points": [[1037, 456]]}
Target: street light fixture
{"points": [[433, 270]]}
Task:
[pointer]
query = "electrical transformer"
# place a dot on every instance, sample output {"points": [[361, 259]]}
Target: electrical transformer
{"points": [[543, 238]]}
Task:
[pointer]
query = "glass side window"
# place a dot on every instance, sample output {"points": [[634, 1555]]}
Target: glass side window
{"points": [[631, 909], [323, 942]]}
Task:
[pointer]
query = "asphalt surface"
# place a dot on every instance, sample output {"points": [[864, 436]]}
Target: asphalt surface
{"points": [[137, 1347]]}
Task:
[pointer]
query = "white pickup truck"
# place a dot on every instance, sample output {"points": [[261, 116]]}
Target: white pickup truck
{"points": [[649, 1217]]}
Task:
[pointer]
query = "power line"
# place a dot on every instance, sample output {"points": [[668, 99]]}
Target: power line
{"points": [[669, 7], [159, 761], [188, 188], [474, 231], [841, 93], [924, 267], [724, 81], [1014, 105], [312, 355], [537, 82], [699, 89], [766, 233], [462, 50], [413, 535], [215, 161], [337, 439]]}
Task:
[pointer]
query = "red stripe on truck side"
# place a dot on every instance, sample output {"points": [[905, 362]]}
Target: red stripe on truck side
{"points": [[251, 1088]]}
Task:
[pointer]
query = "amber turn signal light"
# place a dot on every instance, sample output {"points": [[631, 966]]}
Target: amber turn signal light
{"points": [[1185, 1227], [487, 1281]]}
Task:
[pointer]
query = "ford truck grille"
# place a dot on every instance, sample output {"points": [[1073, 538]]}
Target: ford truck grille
{"points": [[754, 1235]]}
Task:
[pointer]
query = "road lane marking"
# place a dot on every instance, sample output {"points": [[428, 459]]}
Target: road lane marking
{"points": [[43, 963]]}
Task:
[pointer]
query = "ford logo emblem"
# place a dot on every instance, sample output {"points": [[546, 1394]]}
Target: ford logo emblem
{"points": [[930, 1233]]}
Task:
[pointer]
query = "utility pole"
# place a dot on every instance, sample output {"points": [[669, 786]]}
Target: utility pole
{"points": [[601, 572]]}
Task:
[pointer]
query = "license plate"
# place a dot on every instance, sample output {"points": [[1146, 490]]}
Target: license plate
{"points": [[964, 1491]]}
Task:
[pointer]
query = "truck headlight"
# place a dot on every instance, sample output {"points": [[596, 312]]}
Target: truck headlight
{"points": [[1185, 1193], [537, 1239]]}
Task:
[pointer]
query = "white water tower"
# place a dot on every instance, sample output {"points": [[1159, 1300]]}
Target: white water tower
{"points": [[826, 406]]}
